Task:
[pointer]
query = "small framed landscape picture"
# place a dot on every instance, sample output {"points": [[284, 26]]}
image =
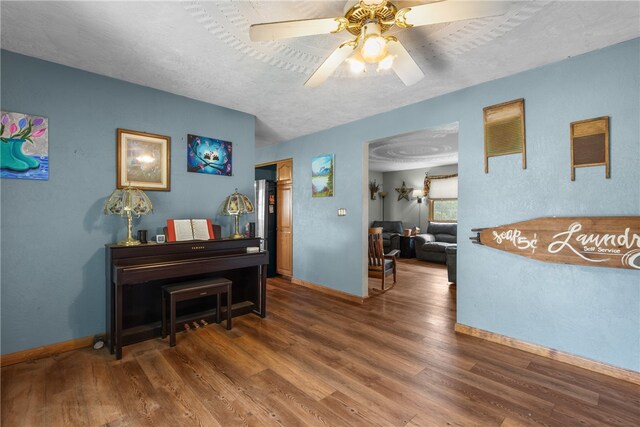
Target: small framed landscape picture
{"points": [[143, 160], [322, 176], [209, 156]]}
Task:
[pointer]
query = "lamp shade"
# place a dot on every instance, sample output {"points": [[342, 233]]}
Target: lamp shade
{"points": [[128, 201], [418, 194], [236, 204], [374, 46]]}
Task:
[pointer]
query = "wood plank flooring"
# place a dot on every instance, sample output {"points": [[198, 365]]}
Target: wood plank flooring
{"points": [[320, 361]]}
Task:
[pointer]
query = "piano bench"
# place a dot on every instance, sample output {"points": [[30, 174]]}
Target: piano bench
{"points": [[185, 291]]}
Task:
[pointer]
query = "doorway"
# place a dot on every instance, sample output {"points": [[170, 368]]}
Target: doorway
{"points": [[275, 214], [411, 173]]}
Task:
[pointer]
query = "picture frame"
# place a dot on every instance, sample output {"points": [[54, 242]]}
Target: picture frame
{"points": [[322, 174], [143, 160], [590, 145], [209, 156], [504, 131], [24, 139]]}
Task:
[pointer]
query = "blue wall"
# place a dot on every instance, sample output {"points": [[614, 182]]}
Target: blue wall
{"points": [[53, 232], [589, 311]]}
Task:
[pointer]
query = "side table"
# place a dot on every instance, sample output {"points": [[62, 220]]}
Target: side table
{"points": [[407, 246]]}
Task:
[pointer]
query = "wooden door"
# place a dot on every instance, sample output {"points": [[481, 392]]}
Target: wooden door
{"points": [[284, 171], [284, 232], [284, 236]]}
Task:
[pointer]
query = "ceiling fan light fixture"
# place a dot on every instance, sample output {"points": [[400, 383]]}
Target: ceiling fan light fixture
{"points": [[374, 46], [386, 63], [367, 20], [356, 64], [374, 49]]}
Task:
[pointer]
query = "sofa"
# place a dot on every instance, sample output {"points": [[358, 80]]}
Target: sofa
{"points": [[452, 263], [391, 232], [432, 245]]}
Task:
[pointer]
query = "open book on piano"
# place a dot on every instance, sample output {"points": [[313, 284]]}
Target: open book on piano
{"points": [[179, 230]]}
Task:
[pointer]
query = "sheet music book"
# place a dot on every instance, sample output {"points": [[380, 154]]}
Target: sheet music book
{"points": [[179, 230]]}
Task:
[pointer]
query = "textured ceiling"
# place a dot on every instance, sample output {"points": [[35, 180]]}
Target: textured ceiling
{"points": [[202, 50]]}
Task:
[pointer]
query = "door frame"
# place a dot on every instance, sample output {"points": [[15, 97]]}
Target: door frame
{"points": [[276, 162]]}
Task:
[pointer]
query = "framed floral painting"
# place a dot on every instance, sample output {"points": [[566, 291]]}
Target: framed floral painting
{"points": [[143, 160], [24, 144]]}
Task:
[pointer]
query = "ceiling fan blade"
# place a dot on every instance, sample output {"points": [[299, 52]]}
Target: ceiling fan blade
{"points": [[301, 28], [449, 11], [330, 64], [403, 64]]}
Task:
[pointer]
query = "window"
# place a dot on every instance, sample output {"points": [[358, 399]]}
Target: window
{"points": [[443, 210]]}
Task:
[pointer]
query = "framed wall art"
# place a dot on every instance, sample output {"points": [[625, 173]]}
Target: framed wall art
{"points": [[24, 144], [322, 176], [143, 160], [209, 156], [590, 145], [404, 192], [504, 131]]}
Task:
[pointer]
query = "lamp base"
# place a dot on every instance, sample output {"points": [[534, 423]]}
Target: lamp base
{"points": [[129, 242], [236, 234]]}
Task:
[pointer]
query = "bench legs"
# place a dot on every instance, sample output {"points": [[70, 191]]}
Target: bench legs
{"points": [[172, 314], [172, 324], [164, 316]]}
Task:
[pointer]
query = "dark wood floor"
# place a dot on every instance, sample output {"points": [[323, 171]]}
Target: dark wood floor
{"points": [[316, 360]]}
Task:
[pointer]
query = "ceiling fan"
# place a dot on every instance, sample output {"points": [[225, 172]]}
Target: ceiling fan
{"points": [[368, 20]]}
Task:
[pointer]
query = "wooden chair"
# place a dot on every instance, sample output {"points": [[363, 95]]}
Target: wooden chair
{"points": [[380, 264]]}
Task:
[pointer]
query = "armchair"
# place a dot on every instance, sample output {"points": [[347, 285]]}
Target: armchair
{"points": [[432, 246], [451, 252]]}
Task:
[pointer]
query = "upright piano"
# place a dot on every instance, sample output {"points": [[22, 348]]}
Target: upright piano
{"points": [[135, 275]]}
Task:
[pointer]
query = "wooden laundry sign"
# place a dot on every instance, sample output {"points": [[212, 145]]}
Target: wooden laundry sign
{"points": [[607, 241]]}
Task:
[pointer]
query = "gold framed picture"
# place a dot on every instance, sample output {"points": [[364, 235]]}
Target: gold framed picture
{"points": [[143, 160]]}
